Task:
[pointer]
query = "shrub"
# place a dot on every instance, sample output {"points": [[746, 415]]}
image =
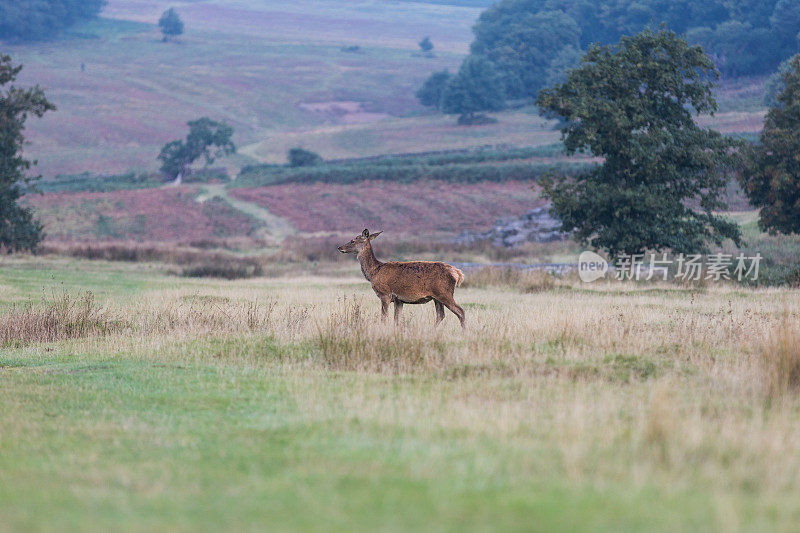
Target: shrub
{"points": [[298, 157], [227, 268], [476, 120]]}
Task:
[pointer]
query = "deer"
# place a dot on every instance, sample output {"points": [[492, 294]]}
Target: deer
{"points": [[407, 282]]}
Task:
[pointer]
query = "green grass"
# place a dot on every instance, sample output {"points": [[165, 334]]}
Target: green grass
{"points": [[550, 413], [109, 443]]}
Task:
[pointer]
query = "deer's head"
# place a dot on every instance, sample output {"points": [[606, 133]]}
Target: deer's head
{"points": [[358, 243]]}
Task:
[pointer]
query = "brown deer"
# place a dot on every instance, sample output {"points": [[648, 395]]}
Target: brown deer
{"points": [[407, 282]]}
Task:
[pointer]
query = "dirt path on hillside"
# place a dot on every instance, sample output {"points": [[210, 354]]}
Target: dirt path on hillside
{"points": [[276, 227]]}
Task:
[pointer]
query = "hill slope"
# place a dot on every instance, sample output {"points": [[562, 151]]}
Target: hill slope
{"points": [[277, 72]]}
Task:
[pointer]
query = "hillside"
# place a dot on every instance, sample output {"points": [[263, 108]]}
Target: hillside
{"points": [[277, 72]]}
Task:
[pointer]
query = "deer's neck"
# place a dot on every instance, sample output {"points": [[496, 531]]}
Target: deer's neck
{"points": [[369, 265]]}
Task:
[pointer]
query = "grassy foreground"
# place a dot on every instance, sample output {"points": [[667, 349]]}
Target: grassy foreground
{"points": [[160, 402]]}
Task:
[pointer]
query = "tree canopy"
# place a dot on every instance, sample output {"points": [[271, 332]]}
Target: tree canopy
{"points": [[18, 229], [430, 94], [475, 89], [426, 45], [42, 19], [207, 138], [772, 179], [522, 45], [170, 23], [531, 41], [662, 176]]}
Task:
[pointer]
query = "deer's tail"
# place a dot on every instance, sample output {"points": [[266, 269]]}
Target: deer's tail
{"points": [[458, 276]]}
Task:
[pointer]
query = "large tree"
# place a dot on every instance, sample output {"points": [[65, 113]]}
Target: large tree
{"points": [[207, 138], [18, 229], [476, 88], [430, 94], [662, 176], [772, 179]]}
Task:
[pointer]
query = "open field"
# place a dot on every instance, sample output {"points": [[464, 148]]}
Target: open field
{"points": [[422, 208], [185, 214], [277, 73], [250, 63], [162, 402], [166, 214]]}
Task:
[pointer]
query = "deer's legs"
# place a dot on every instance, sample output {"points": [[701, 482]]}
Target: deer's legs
{"points": [[439, 312], [398, 308], [384, 306], [451, 304]]}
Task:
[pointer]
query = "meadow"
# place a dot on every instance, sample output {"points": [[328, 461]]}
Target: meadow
{"points": [[136, 399]]}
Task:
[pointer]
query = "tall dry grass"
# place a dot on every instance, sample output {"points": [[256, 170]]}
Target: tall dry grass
{"points": [[780, 361], [60, 317], [527, 280], [64, 317], [349, 338]]}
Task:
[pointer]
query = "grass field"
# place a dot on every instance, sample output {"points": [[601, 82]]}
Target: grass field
{"points": [[281, 403]]}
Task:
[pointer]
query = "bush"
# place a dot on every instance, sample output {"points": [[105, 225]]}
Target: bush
{"points": [[298, 157], [228, 268], [476, 120]]}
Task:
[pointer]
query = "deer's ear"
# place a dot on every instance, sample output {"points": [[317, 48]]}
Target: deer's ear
{"points": [[365, 233], [374, 235]]}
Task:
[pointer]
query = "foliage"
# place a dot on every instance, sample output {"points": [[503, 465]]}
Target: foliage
{"points": [[430, 94], [299, 157], [18, 229], [42, 19], [530, 40], [225, 268], [88, 181], [774, 85], [523, 45], [207, 138], [426, 45], [170, 23], [454, 172], [476, 88], [772, 181], [632, 105], [458, 167], [738, 48]]}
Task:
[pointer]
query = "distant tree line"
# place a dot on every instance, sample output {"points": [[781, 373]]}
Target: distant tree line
{"points": [[532, 43], [41, 19]]}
